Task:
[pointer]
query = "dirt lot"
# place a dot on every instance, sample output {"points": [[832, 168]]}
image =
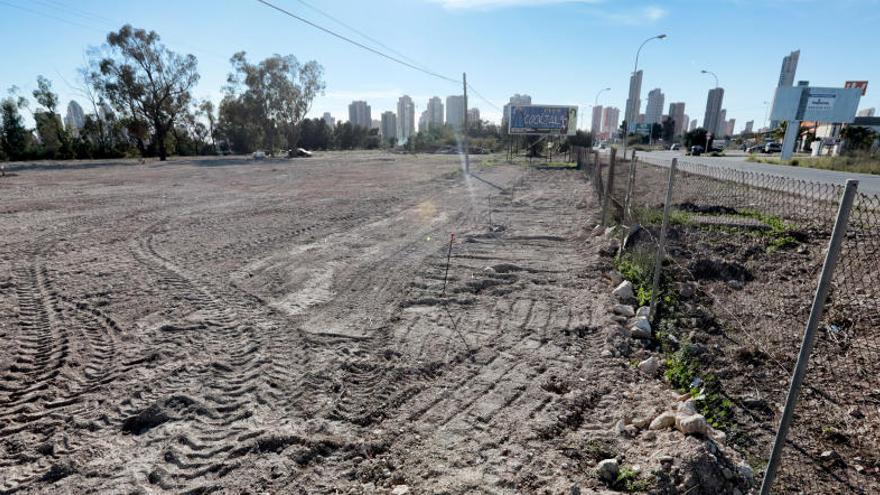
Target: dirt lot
{"points": [[263, 327]]}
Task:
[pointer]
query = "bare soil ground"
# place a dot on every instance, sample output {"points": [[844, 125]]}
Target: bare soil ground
{"points": [[282, 327]]}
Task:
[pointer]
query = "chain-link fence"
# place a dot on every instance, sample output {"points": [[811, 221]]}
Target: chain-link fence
{"points": [[742, 256]]}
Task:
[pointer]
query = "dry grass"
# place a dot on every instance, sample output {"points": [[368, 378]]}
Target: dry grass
{"points": [[860, 163]]}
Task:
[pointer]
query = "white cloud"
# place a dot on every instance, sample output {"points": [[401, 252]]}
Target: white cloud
{"points": [[645, 15]]}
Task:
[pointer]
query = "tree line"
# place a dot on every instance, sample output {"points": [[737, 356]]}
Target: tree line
{"points": [[139, 94]]}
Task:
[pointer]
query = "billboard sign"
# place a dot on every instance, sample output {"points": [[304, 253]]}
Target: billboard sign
{"points": [[863, 85], [558, 120], [808, 103], [643, 129]]}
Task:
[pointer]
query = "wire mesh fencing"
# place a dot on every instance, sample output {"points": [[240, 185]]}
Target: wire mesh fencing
{"points": [[739, 266]]}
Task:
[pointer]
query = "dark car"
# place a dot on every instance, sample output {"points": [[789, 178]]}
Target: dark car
{"points": [[773, 148], [697, 150]]}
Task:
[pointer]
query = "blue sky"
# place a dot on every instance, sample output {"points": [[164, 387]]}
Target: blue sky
{"points": [[560, 52]]}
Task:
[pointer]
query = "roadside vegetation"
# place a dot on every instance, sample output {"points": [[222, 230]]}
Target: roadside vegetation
{"points": [[861, 162]]}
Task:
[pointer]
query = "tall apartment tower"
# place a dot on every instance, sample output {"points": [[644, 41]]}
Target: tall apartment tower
{"points": [[455, 111], [712, 118], [610, 121], [435, 112], [359, 114], [406, 119], [75, 119], [633, 102], [787, 75], [389, 126], [676, 113], [596, 124], [654, 108]]}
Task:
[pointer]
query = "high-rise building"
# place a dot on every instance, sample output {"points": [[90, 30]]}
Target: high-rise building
{"points": [[713, 118], [435, 112], [375, 123], [731, 124], [867, 112], [654, 108], [389, 126], [406, 115], [640, 119], [359, 114], [721, 129], [610, 122], [596, 124], [633, 102], [455, 111], [75, 119], [750, 126], [786, 75], [423, 121], [329, 120], [676, 113], [693, 125], [516, 99], [473, 116]]}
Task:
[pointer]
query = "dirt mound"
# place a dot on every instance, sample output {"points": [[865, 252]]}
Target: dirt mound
{"points": [[719, 269]]}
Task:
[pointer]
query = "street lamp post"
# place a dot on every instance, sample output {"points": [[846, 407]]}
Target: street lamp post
{"points": [[636, 69]]}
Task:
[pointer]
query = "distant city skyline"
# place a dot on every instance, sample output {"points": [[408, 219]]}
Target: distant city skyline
{"points": [[496, 73]]}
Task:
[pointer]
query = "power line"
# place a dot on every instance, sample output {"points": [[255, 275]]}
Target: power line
{"points": [[362, 34], [356, 43], [496, 107]]}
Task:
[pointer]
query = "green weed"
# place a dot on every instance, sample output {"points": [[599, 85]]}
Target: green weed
{"points": [[629, 480]]}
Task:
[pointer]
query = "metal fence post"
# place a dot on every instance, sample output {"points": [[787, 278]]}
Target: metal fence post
{"points": [[609, 186], [630, 183], [661, 243], [797, 379]]}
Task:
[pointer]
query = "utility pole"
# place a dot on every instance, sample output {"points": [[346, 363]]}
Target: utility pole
{"points": [[467, 159]]}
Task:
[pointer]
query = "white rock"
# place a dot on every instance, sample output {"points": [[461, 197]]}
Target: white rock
{"points": [[687, 408], [400, 490], [624, 291], [606, 353], [624, 310], [693, 425], [643, 312], [607, 470], [641, 329], [650, 366], [665, 420], [609, 231], [598, 230]]}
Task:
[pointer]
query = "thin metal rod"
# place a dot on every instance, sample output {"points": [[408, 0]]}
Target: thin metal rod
{"points": [[800, 370], [467, 158], [661, 244]]}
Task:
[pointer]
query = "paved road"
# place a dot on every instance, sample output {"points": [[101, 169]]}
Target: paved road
{"points": [[868, 184]]}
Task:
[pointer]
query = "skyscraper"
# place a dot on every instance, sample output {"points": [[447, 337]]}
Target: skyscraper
{"points": [[435, 112], [455, 111], [610, 121], [713, 109], [406, 115], [731, 124], [75, 119], [359, 114], [721, 130], [516, 99], [423, 121], [634, 102], [473, 116], [750, 126], [596, 124], [786, 75], [867, 112], [389, 126], [676, 113], [654, 108], [693, 125], [329, 120]]}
